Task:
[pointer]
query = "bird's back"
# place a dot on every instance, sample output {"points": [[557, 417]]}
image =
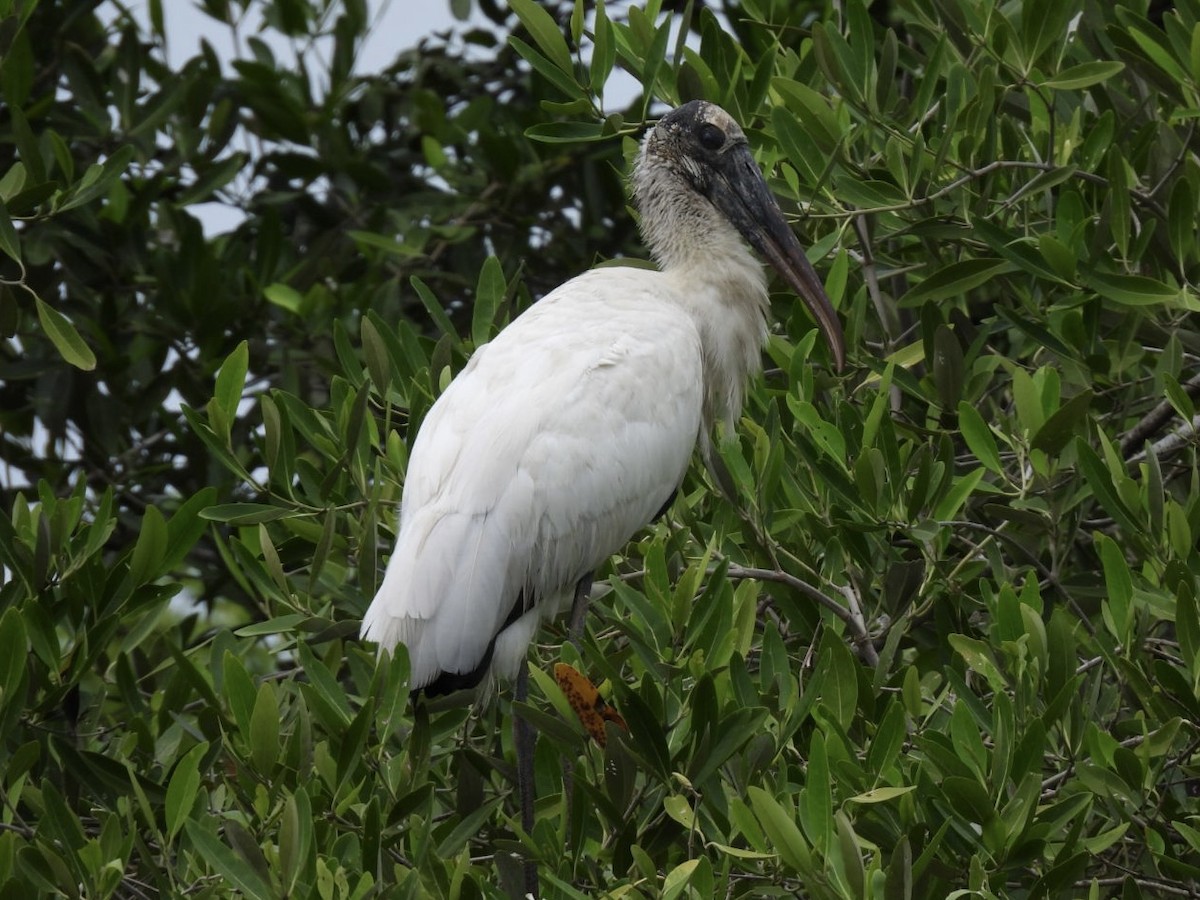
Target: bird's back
{"points": [[558, 440]]}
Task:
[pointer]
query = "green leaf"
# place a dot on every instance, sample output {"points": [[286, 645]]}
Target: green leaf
{"points": [[375, 350], [1060, 257], [968, 743], [231, 867], [798, 144], [1181, 220], [1134, 290], [276, 625], [1100, 480], [231, 381], [604, 53], [963, 487], [1117, 201], [838, 681], [824, 434], [817, 797], [978, 656], [467, 828], [239, 692], [29, 147], [246, 513], [979, 437], [545, 33], [14, 657], [1187, 628], [869, 194], [1043, 25], [10, 244], [719, 745], [808, 109], [899, 885], [64, 336], [1026, 397], [17, 69], [887, 741], [212, 178], [969, 799], [271, 562], [264, 729], [285, 297], [947, 366], [1117, 608], [295, 838], [97, 179], [1068, 419], [1084, 75], [565, 132], [325, 685], [150, 550], [881, 794], [429, 301], [780, 829], [561, 79], [1189, 833], [956, 279], [386, 243], [677, 879], [183, 787], [1097, 844], [851, 856], [185, 528], [1159, 55], [489, 292], [740, 852], [678, 808], [1097, 143]]}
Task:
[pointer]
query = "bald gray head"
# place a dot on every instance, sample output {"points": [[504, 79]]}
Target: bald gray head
{"points": [[694, 142], [694, 179]]}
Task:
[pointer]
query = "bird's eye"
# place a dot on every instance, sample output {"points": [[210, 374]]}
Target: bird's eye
{"points": [[710, 136]]}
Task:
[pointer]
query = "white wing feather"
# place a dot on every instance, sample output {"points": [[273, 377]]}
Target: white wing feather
{"points": [[559, 440]]}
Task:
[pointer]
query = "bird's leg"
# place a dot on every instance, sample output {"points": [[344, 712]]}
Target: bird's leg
{"points": [[523, 740], [579, 607]]}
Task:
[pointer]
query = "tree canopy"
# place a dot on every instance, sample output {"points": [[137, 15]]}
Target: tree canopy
{"points": [[928, 627]]}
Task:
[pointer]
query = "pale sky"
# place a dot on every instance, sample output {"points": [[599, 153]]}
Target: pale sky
{"points": [[395, 26]]}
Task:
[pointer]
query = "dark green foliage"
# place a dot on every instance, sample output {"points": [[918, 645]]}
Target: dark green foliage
{"points": [[930, 626]]}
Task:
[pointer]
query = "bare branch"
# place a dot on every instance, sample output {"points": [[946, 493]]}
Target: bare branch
{"points": [[1154, 420]]}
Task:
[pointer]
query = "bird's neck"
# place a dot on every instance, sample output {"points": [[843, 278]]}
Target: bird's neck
{"points": [[720, 284]]}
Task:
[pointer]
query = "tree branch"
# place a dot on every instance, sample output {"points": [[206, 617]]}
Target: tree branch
{"points": [[852, 616], [1153, 421]]}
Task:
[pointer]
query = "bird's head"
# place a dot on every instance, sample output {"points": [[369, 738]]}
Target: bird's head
{"points": [[703, 149]]}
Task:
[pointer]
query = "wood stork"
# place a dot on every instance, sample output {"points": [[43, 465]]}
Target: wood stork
{"points": [[573, 428]]}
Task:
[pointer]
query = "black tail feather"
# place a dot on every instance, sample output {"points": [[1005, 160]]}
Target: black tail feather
{"points": [[449, 682]]}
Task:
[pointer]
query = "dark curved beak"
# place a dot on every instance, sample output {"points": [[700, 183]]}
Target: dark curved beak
{"points": [[739, 190]]}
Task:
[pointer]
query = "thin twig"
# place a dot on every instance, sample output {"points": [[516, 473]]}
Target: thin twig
{"points": [[852, 617], [1051, 784], [1156, 884], [994, 166]]}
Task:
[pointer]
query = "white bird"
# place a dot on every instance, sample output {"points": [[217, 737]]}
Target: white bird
{"points": [[573, 428]]}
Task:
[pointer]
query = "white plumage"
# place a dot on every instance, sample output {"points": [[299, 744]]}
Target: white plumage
{"points": [[568, 432]]}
